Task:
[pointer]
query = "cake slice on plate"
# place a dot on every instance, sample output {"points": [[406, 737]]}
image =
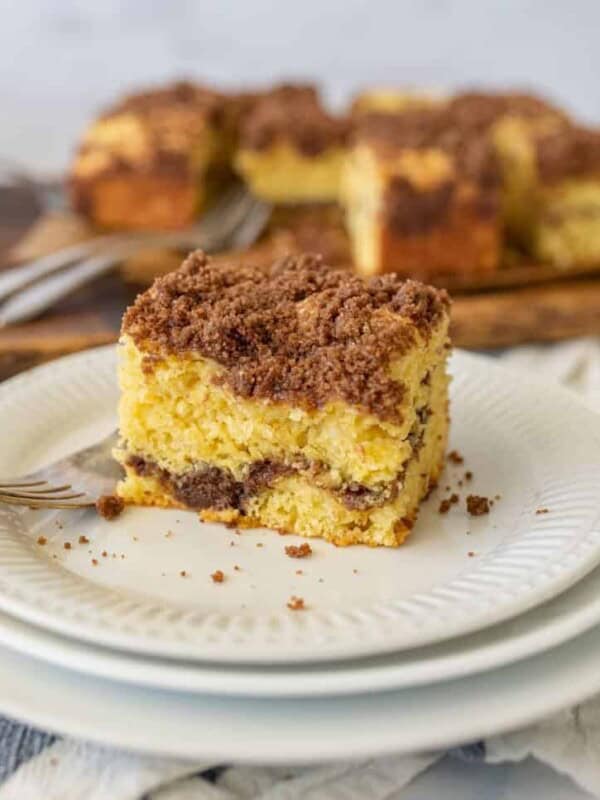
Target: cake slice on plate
{"points": [[295, 397]]}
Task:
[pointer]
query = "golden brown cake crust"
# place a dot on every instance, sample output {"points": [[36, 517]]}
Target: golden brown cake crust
{"points": [[297, 331], [294, 114]]}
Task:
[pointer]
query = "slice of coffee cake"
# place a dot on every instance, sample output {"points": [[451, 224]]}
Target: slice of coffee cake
{"points": [[567, 197], [296, 397], [291, 150], [150, 161], [421, 196]]}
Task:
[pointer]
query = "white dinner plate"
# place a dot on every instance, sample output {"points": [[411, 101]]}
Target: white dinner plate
{"points": [[533, 445], [555, 622], [217, 730]]}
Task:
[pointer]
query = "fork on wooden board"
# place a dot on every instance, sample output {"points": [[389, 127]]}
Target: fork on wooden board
{"points": [[234, 221]]}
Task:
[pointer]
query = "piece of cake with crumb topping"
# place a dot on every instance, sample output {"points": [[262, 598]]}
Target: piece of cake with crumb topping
{"points": [[566, 231], [293, 396], [290, 148], [421, 196], [152, 160]]}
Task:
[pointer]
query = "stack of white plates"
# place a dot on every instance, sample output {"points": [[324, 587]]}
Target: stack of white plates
{"points": [[474, 626]]}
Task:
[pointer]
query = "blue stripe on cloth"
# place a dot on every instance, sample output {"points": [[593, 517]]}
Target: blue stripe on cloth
{"points": [[19, 743]]}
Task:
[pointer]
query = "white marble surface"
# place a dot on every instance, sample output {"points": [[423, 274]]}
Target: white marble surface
{"points": [[62, 59]]}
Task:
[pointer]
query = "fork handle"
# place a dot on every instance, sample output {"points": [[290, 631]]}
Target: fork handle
{"points": [[41, 296], [25, 274], [44, 293]]}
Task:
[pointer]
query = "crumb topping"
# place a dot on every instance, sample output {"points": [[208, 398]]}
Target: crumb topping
{"points": [[110, 506], [297, 332], [42, 541], [292, 113], [568, 152], [153, 130], [218, 576], [455, 457], [296, 603], [477, 505], [298, 551], [434, 128]]}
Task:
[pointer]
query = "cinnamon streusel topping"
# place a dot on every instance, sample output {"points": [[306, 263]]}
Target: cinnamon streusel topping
{"points": [[297, 331]]}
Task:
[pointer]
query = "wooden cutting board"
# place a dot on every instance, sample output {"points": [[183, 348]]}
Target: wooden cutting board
{"points": [[491, 318]]}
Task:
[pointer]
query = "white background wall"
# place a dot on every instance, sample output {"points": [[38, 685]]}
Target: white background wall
{"points": [[62, 59]]}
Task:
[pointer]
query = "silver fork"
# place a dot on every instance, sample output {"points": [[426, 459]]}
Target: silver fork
{"points": [[76, 481], [236, 220]]}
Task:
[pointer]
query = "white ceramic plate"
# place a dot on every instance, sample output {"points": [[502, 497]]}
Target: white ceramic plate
{"points": [[565, 617], [534, 445], [217, 730]]}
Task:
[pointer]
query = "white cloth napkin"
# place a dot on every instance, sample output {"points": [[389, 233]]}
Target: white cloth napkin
{"points": [[557, 759]]}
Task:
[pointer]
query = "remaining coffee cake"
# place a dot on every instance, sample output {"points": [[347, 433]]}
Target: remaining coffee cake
{"points": [[421, 196], [513, 122], [290, 148], [566, 232], [296, 396], [149, 162]]}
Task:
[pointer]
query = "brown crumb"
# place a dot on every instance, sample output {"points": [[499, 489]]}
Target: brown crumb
{"points": [[183, 573], [445, 506], [42, 541], [542, 511], [259, 544], [476, 505], [497, 497], [299, 572], [454, 498], [455, 457], [104, 554], [135, 539], [231, 544], [67, 545], [109, 506], [84, 540], [301, 551], [355, 572], [237, 568], [218, 576], [470, 554], [468, 475], [296, 603], [95, 562], [168, 534]]}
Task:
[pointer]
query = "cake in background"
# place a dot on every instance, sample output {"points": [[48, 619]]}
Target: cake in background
{"points": [[421, 197], [439, 187], [567, 191], [290, 148], [150, 161], [292, 396]]}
